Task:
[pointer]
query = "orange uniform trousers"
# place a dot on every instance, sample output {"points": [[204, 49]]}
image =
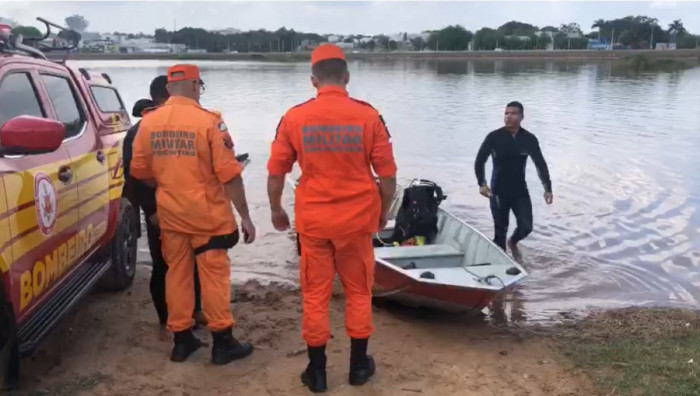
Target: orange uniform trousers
{"points": [[214, 276], [353, 259]]}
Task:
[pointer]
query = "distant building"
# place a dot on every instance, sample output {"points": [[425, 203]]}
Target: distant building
{"points": [[227, 31], [334, 38], [90, 36], [398, 37], [307, 45], [520, 38], [602, 44], [143, 46], [55, 42], [665, 46], [344, 46], [115, 38], [94, 42]]}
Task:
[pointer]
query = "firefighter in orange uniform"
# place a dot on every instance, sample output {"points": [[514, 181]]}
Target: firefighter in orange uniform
{"points": [[187, 153], [338, 142]]}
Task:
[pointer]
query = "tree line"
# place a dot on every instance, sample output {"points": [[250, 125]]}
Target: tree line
{"points": [[637, 32], [634, 32], [281, 40]]}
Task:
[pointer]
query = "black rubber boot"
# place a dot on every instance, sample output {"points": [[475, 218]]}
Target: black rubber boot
{"points": [[315, 374], [185, 344], [361, 365], [226, 348]]}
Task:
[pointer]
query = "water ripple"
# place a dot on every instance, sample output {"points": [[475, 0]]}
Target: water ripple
{"points": [[622, 153]]}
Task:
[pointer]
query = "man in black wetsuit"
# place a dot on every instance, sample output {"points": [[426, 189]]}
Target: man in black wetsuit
{"points": [[509, 147], [143, 196]]}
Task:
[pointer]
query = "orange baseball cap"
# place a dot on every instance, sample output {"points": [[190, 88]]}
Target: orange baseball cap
{"points": [[183, 73], [325, 52]]}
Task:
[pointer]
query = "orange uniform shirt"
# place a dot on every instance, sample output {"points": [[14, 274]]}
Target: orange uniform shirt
{"points": [[338, 142], [189, 152]]}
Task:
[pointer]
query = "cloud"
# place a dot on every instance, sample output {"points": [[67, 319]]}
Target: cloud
{"points": [[664, 4], [343, 17]]}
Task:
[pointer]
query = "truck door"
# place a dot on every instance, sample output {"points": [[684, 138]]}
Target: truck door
{"points": [[87, 155], [5, 238], [42, 202]]}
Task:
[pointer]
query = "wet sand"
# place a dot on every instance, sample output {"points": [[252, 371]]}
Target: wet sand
{"points": [[112, 345]]}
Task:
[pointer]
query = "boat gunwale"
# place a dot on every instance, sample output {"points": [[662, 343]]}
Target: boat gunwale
{"points": [[393, 267]]}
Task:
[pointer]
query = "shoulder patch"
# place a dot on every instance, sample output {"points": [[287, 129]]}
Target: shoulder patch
{"points": [[362, 102], [222, 127]]}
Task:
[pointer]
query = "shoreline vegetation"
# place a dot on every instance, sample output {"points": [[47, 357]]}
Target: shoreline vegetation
{"points": [[636, 351], [679, 54]]}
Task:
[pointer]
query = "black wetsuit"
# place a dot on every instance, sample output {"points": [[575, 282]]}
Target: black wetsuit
{"points": [[144, 197], [508, 187]]}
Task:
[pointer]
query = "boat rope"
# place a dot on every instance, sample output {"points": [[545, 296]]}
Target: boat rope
{"points": [[494, 277], [478, 278]]}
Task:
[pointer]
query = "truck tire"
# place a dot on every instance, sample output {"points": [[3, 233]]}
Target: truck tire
{"points": [[9, 349], [122, 251]]}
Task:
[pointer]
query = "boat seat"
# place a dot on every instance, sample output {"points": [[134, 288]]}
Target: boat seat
{"points": [[402, 252]]}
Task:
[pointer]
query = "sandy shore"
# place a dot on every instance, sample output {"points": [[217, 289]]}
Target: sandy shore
{"points": [[446, 55], [112, 345]]}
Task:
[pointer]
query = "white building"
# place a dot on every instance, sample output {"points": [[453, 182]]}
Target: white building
{"points": [[227, 31], [665, 46], [398, 37]]}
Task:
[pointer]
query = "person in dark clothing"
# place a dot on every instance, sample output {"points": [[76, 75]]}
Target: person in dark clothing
{"points": [[509, 148], [144, 197]]}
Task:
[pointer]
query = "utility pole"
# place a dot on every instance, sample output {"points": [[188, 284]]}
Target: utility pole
{"points": [[651, 43], [612, 40]]}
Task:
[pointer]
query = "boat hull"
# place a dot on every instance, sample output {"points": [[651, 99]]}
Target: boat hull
{"points": [[394, 285]]}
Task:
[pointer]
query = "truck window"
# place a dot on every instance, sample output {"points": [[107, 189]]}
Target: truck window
{"points": [[18, 97], [107, 99], [65, 103]]}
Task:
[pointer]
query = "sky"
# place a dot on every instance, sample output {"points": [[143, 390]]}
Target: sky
{"points": [[342, 17]]}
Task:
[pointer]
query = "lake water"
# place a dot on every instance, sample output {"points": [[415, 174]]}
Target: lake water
{"points": [[622, 151]]}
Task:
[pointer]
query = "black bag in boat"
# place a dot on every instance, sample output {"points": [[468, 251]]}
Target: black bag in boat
{"points": [[417, 215]]}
